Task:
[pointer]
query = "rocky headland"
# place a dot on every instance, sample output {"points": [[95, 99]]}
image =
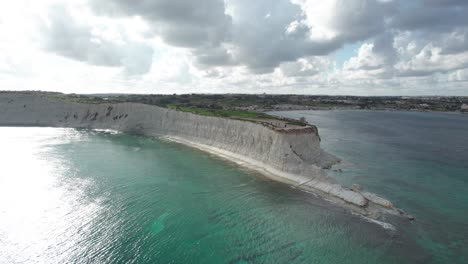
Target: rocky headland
{"points": [[287, 153]]}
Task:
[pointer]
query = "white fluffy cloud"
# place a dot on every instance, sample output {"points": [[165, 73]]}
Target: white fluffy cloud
{"points": [[278, 46], [460, 75], [65, 36]]}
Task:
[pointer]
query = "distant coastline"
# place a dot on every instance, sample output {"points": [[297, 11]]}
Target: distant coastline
{"points": [[226, 105], [313, 108]]}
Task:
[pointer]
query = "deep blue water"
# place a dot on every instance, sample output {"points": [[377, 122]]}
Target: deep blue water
{"points": [[417, 160]]}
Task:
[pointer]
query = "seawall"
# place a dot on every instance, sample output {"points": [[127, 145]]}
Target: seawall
{"points": [[291, 156]]}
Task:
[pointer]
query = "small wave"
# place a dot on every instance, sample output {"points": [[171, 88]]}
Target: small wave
{"points": [[107, 131], [385, 225]]}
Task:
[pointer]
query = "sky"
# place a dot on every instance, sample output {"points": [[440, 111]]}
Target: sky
{"points": [[336, 47]]}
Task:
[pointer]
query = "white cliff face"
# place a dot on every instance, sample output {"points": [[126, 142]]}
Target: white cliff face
{"points": [[297, 153], [293, 157]]}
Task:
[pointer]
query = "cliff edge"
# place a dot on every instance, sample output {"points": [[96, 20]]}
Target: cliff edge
{"points": [[288, 154]]}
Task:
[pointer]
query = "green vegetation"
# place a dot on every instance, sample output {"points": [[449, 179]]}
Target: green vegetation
{"points": [[264, 102], [222, 112], [76, 98], [253, 106]]}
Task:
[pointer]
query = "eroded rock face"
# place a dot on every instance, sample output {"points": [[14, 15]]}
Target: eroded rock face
{"points": [[292, 156], [296, 151]]}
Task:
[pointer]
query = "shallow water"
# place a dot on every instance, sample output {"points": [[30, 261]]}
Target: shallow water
{"points": [[69, 196]]}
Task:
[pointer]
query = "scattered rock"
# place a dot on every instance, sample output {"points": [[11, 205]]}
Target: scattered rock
{"points": [[378, 200], [356, 188]]}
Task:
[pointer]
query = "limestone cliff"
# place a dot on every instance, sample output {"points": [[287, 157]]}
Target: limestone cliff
{"points": [[292, 156]]}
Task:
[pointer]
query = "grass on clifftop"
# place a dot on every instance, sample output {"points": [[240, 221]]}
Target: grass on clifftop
{"points": [[237, 114], [201, 108], [76, 98], [230, 113], [222, 112]]}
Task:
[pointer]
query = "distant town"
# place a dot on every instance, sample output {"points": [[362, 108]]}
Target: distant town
{"points": [[265, 102]]}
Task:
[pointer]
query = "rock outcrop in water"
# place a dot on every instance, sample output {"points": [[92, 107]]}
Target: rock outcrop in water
{"points": [[292, 156]]}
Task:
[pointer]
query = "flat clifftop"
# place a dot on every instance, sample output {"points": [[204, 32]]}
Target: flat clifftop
{"points": [[280, 124], [285, 150], [284, 125]]}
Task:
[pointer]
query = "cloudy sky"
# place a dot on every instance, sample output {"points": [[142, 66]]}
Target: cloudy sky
{"points": [[356, 47]]}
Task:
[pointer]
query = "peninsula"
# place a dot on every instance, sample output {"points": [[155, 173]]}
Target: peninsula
{"points": [[284, 150]]}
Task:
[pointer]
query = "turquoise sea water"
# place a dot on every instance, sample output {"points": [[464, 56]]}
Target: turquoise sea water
{"points": [[69, 196]]}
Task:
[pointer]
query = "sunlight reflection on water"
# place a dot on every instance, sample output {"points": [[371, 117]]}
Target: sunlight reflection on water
{"points": [[36, 200], [71, 196]]}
